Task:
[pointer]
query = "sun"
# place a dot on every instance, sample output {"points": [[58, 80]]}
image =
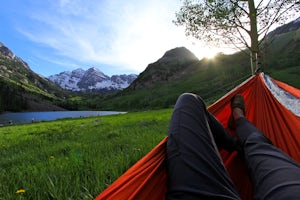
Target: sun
{"points": [[201, 50], [205, 52], [210, 53]]}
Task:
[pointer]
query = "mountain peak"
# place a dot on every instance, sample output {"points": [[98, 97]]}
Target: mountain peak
{"points": [[170, 66], [94, 70], [178, 54], [78, 70], [6, 52]]}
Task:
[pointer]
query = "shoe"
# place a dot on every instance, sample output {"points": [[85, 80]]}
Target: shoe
{"points": [[236, 102]]}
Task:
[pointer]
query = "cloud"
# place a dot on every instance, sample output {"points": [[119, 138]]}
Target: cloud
{"points": [[130, 34], [145, 33]]}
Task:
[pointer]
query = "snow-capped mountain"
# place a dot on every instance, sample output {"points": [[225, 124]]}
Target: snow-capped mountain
{"points": [[91, 80]]}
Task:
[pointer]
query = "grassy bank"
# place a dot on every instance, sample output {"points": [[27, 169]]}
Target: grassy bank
{"points": [[289, 75], [75, 159]]}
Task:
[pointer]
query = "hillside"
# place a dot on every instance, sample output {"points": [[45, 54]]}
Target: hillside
{"points": [[171, 66], [283, 51], [21, 89], [210, 78]]}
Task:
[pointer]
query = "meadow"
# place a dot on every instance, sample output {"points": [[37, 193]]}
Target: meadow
{"points": [[75, 158]]}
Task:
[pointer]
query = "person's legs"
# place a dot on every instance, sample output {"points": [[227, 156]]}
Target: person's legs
{"points": [[194, 167], [223, 139], [273, 173]]}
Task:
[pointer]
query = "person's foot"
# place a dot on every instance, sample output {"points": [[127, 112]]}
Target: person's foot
{"points": [[237, 110]]}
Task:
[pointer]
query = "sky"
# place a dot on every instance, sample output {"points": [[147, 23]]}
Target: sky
{"points": [[115, 36]]}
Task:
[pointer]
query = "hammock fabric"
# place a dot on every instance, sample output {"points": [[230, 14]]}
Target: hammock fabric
{"points": [[147, 178]]}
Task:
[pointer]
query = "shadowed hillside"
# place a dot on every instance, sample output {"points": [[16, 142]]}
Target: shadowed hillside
{"points": [[22, 89]]}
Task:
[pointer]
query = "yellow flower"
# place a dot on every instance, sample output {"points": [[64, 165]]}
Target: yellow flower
{"points": [[20, 191], [51, 157]]}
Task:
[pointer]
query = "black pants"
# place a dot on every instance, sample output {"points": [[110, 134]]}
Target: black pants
{"points": [[196, 171]]}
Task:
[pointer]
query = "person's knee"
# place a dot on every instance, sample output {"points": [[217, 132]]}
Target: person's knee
{"points": [[190, 98], [257, 137]]}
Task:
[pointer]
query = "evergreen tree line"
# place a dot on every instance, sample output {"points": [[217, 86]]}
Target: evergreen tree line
{"points": [[11, 97]]}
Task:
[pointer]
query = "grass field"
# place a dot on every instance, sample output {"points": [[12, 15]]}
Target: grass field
{"points": [[75, 158], [289, 76]]}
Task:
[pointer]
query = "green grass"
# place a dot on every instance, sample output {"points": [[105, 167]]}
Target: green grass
{"points": [[75, 158], [289, 76]]}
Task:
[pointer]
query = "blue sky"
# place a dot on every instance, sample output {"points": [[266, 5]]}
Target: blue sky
{"points": [[116, 36]]}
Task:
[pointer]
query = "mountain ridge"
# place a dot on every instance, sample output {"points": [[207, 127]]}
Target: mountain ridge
{"points": [[6, 52], [291, 26], [91, 79], [170, 66]]}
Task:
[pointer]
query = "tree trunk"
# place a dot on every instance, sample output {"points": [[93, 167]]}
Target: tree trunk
{"points": [[253, 36]]}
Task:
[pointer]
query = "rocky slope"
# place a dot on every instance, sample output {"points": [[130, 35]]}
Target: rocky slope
{"points": [[170, 66], [7, 53]]}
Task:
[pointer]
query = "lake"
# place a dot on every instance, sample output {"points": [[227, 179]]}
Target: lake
{"points": [[28, 117]]}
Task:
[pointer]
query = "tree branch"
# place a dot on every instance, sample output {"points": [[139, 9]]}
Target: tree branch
{"points": [[275, 18]]}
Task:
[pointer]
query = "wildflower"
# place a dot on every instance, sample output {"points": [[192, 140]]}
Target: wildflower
{"points": [[51, 157], [21, 191]]}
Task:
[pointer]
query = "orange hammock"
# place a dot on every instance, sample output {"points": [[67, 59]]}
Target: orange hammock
{"points": [[147, 178]]}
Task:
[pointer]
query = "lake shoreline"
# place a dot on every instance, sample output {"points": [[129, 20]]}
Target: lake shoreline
{"points": [[10, 118]]}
